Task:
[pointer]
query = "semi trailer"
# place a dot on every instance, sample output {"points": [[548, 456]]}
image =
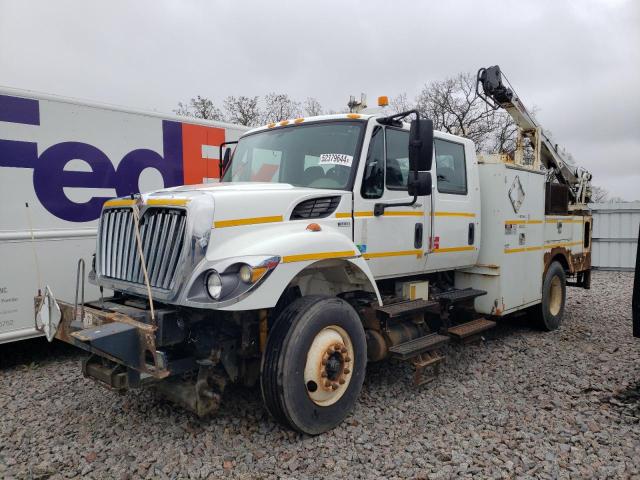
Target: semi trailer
{"points": [[60, 160], [330, 242]]}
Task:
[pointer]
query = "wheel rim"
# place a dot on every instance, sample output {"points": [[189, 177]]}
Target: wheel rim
{"points": [[329, 366], [555, 296]]}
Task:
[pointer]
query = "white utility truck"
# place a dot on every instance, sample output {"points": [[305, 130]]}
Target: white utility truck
{"points": [[331, 241], [60, 160]]}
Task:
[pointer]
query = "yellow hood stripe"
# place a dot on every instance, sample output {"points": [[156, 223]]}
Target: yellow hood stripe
{"points": [[304, 257], [247, 221]]}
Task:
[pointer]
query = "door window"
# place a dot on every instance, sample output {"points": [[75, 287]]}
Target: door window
{"points": [[373, 179], [450, 167], [397, 159]]}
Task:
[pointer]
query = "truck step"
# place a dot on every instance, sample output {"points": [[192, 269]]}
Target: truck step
{"points": [[458, 296], [408, 307], [417, 346], [470, 329]]}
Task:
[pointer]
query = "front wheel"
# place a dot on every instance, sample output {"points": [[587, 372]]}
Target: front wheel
{"points": [[314, 364]]}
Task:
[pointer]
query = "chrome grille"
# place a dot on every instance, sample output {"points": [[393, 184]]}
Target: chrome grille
{"points": [[162, 231]]}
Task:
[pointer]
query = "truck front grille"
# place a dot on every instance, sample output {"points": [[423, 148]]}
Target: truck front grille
{"points": [[162, 231]]}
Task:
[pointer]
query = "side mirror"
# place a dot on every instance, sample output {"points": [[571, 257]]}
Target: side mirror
{"points": [[420, 184], [225, 158], [421, 145]]}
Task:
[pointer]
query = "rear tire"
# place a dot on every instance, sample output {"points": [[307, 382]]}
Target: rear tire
{"points": [[550, 312], [314, 364]]}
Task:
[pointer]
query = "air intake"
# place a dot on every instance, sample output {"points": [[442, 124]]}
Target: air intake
{"points": [[315, 208]]}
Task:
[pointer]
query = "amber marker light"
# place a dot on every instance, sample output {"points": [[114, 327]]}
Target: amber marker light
{"points": [[313, 227], [383, 101]]}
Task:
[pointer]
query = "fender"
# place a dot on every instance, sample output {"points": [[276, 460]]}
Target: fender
{"points": [[298, 249]]}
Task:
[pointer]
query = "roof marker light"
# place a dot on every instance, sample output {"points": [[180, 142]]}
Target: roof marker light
{"points": [[284, 122], [298, 120], [271, 125], [353, 115], [383, 101]]}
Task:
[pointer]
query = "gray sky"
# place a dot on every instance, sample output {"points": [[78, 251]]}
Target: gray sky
{"points": [[577, 61]]}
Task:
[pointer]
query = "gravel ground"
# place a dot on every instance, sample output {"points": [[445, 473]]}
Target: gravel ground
{"points": [[521, 404]]}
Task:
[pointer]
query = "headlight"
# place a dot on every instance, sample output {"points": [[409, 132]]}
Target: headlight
{"points": [[214, 285]]}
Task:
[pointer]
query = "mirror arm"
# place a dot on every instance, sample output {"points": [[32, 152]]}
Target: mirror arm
{"points": [[378, 208]]}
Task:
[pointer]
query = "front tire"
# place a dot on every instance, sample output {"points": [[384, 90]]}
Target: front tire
{"points": [[314, 364], [550, 312]]}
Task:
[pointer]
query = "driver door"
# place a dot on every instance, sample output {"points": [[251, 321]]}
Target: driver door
{"points": [[392, 243]]}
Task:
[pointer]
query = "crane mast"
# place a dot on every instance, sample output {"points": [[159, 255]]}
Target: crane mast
{"points": [[497, 95]]}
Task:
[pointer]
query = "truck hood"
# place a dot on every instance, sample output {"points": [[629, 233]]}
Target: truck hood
{"points": [[241, 201]]}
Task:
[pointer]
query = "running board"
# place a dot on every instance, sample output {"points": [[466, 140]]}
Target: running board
{"points": [[458, 296], [469, 330], [409, 307], [408, 350]]}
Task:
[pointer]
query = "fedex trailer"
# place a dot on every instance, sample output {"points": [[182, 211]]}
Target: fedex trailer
{"points": [[60, 160]]}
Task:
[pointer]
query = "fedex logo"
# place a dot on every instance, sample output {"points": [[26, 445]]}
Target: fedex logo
{"points": [[188, 157]]}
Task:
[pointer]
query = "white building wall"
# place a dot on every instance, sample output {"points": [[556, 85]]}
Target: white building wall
{"points": [[615, 235]]}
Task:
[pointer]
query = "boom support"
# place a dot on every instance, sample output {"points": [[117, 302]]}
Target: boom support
{"points": [[497, 95]]}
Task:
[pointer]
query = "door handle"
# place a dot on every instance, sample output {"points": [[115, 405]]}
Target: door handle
{"points": [[417, 236], [472, 233]]}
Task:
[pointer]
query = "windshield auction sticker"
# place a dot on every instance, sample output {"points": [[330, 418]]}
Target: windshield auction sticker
{"points": [[336, 159]]}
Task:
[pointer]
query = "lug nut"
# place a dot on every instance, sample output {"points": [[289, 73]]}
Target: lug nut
{"points": [[346, 371], [334, 386], [323, 374], [347, 358], [341, 381], [327, 383], [343, 349]]}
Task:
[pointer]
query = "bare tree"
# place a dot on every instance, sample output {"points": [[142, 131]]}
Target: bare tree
{"points": [[312, 107], [400, 103], [504, 136], [599, 194], [243, 110], [455, 108], [199, 107], [279, 106]]}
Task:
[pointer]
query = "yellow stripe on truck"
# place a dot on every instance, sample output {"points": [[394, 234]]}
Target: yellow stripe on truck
{"points": [[549, 245], [247, 221], [399, 253], [119, 203], [174, 202], [304, 257], [454, 249], [523, 222], [454, 214]]}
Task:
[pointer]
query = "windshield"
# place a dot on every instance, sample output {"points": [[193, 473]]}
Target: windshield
{"points": [[319, 155]]}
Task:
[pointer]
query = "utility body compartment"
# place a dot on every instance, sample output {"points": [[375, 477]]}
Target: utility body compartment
{"points": [[519, 241]]}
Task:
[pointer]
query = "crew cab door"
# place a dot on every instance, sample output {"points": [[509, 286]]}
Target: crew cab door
{"points": [[392, 243], [456, 203]]}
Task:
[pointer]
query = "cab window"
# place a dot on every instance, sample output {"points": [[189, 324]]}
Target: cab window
{"points": [[450, 167], [397, 168]]}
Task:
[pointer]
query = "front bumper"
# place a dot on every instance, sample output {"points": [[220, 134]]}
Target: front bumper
{"points": [[124, 335]]}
